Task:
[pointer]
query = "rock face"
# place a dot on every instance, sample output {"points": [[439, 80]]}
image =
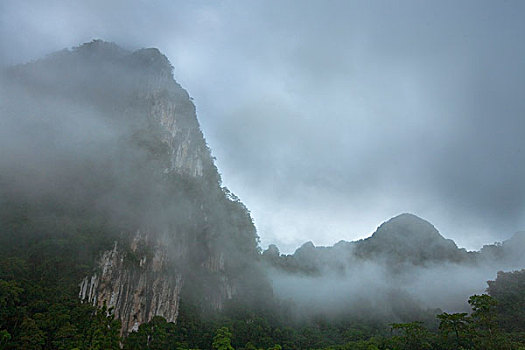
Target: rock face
{"points": [[148, 286], [136, 153], [136, 292]]}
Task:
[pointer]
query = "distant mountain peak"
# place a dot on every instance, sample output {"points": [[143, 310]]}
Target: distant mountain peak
{"points": [[307, 245], [407, 216], [407, 226], [409, 238]]}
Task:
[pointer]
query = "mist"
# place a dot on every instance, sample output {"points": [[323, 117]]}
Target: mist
{"points": [[61, 141], [370, 291], [328, 118], [405, 271]]}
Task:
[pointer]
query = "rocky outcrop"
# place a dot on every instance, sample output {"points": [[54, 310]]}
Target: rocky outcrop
{"points": [[171, 111], [140, 279], [134, 285]]}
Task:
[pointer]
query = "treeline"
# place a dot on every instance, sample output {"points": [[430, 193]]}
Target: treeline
{"points": [[487, 327]]}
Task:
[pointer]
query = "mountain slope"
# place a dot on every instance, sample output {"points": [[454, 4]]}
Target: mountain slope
{"points": [[108, 133]]}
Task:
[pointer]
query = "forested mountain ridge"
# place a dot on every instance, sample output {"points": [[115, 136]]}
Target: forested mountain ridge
{"points": [[407, 238], [403, 241]]}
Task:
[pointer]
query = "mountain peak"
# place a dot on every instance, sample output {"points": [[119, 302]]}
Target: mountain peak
{"points": [[407, 226], [100, 49], [408, 237], [152, 60], [305, 248], [407, 216]]}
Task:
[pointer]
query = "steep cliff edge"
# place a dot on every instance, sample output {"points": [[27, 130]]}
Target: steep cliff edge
{"points": [[120, 137]]}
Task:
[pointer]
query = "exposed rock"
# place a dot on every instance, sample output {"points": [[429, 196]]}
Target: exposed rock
{"points": [[136, 290]]}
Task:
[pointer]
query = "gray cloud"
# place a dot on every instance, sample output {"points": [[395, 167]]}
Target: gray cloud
{"points": [[328, 117]]}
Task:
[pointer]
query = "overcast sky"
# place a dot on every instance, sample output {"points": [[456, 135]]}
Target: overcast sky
{"points": [[329, 117]]}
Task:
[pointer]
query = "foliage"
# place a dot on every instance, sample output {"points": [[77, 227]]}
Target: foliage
{"points": [[508, 289], [49, 253], [222, 339], [152, 335], [413, 336], [455, 330]]}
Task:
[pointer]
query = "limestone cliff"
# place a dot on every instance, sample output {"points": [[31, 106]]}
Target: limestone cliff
{"points": [[193, 246], [135, 153]]}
